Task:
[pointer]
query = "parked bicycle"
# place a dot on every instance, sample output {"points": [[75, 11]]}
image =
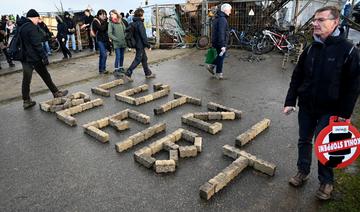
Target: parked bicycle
{"points": [[241, 39], [284, 41]]}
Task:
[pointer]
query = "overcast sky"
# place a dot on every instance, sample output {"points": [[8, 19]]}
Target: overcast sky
{"points": [[21, 6]]}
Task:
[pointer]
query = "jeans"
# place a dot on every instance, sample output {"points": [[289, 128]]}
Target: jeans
{"points": [[41, 69], [119, 59], [73, 43], [102, 56], [219, 61], [46, 47], [310, 124], [140, 57]]}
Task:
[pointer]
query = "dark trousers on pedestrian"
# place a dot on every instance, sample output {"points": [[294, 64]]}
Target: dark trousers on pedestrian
{"points": [[219, 61], [140, 57], [41, 69], [66, 52], [311, 124], [102, 56], [90, 40]]}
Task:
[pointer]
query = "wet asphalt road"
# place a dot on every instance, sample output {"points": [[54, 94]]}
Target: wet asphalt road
{"points": [[48, 166]]}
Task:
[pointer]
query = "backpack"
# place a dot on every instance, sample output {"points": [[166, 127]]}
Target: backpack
{"points": [[129, 36], [16, 46], [92, 31]]}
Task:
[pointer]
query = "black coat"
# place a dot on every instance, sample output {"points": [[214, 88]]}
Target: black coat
{"points": [[62, 31], [101, 30], [70, 25], [220, 30], [46, 31], [31, 37], [88, 20], [326, 79], [140, 33]]}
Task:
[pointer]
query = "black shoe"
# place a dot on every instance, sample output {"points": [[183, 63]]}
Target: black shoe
{"points": [[65, 58], [11, 64], [60, 93], [28, 104]]}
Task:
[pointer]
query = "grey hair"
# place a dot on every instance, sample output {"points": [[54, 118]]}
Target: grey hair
{"points": [[225, 6]]}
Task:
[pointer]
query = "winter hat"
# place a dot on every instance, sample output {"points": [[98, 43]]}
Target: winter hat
{"points": [[32, 13]]}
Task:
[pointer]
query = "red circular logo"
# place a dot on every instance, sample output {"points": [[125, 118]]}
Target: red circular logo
{"points": [[338, 144]]}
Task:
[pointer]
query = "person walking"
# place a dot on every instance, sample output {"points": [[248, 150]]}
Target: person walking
{"points": [[141, 43], [3, 45], [35, 58], [325, 83], [62, 37], [69, 22], [116, 31], [100, 26], [219, 39]]}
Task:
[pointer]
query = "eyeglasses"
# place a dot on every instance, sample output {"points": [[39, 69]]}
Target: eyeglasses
{"points": [[321, 20]]}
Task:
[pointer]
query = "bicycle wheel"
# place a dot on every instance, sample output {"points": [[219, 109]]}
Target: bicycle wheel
{"points": [[265, 45], [203, 42]]}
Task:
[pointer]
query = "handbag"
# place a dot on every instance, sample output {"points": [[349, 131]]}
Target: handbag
{"points": [[210, 55]]}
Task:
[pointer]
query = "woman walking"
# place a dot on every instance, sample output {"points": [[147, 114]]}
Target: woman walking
{"points": [[100, 26], [116, 32]]}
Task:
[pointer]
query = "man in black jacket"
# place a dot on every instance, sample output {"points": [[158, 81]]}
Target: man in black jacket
{"points": [[219, 39], [326, 82], [141, 43], [35, 57], [88, 19], [71, 30]]}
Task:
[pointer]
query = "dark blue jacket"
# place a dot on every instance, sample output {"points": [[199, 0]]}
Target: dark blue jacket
{"points": [[220, 30], [140, 33], [326, 79]]}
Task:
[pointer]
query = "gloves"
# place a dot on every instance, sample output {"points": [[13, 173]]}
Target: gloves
{"points": [[63, 39], [45, 61]]}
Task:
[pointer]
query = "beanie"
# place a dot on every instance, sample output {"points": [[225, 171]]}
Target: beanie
{"points": [[32, 13]]}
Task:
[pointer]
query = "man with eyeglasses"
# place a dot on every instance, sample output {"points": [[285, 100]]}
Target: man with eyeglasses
{"points": [[325, 82]]}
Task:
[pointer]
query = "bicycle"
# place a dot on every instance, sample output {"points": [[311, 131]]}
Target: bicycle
{"points": [[285, 42], [243, 40]]}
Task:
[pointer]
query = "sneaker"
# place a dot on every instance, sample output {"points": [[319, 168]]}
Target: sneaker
{"points": [[118, 74], [298, 179], [210, 68], [128, 78], [324, 192], [60, 93], [150, 76], [11, 64], [28, 104], [219, 76]]}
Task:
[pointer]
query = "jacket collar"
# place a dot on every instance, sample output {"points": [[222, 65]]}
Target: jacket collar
{"points": [[335, 37]]}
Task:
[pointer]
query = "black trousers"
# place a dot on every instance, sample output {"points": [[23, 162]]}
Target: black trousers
{"points": [[66, 52], [41, 69], [140, 57]]}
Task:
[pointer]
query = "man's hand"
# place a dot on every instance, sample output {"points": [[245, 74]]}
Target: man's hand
{"points": [[45, 61], [289, 109], [223, 49]]}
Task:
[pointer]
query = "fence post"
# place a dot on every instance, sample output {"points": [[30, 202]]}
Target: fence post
{"points": [[78, 34], [157, 28]]}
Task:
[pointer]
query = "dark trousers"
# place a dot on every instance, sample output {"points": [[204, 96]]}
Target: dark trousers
{"points": [[219, 61], [140, 57], [311, 124], [41, 69], [90, 40], [66, 52]]}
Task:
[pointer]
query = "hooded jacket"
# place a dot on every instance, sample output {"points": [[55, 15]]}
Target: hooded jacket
{"points": [[220, 30], [140, 33], [326, 79], [116, 32], [31, 37], [69, 23]]}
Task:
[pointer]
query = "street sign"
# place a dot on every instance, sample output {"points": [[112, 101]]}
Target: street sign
{"points": [[338, 144]]}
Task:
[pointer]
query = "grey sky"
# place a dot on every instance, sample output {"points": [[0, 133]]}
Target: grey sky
{"points": [[20, 6]]}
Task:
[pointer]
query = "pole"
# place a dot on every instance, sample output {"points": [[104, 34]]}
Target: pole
{"points": [[157, 28]]}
